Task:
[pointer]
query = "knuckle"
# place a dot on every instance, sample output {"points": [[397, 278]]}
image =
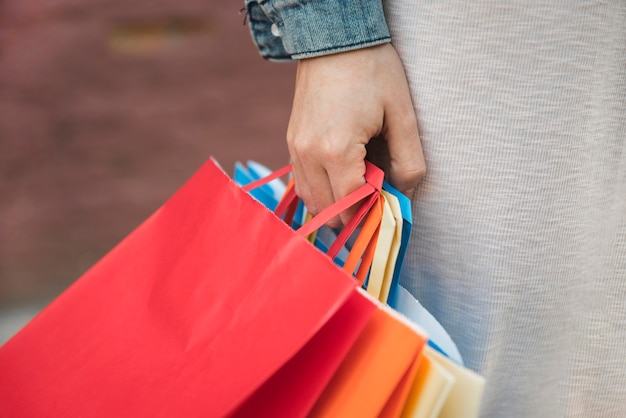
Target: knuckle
{"points": [[308, 203], [301, 144], [409, 177], [315, 148], [333, 148], [419, 173]]}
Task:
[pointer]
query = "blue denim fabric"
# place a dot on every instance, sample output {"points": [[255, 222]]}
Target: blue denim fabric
{"points": [[292, 29]]}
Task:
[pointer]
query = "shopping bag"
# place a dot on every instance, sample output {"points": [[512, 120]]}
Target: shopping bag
{"points": [[379, 377], [287, 382], [270, 193], [429, 390], [407, 225], [259, 171], [393, 205], [465, 395], [432, 384], [366, 381], [383, 280], [190, 315], [401, 299], [440, 340], [264, 194], [295, 387], [396, 403], [383, 254]]}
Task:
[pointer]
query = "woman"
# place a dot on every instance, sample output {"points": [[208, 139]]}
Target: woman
{"points": [[519, 245]]}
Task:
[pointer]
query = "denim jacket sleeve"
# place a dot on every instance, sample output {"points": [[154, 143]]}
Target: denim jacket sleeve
{"points": [[292, 29]]}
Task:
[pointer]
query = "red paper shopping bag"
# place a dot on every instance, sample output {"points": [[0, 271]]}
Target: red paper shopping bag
{"points": [[293, 390], [190, 315]]}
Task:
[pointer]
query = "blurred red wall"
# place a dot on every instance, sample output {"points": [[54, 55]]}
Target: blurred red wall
{"points": [[106, 107]]}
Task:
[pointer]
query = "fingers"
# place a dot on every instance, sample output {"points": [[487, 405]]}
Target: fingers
{"points": [[340, 102], [345, 176], [325, 170], [312, 185], [334, 113], [407, 164]]}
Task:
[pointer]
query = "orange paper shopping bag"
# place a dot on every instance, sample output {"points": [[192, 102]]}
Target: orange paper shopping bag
{"points": [[383, 359]]}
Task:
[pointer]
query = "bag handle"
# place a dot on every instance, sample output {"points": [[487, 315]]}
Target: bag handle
{"points": [[273, 176], [374, 177], [365, 244]]}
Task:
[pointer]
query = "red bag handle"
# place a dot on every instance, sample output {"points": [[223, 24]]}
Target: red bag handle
{"points": [[368, 193], [374, 177], [273, 176]]}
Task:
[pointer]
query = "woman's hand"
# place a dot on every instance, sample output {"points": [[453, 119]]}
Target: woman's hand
{"points": [[342, 101]]}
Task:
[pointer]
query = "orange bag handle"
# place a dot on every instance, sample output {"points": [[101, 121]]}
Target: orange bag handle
{"points": [[373, 184], [288, 203], [365, 244], [374, 177], [371, 209], [349, 229], [368, 256]]}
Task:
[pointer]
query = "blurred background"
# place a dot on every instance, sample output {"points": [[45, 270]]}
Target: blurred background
{"points": [[106, 108]]}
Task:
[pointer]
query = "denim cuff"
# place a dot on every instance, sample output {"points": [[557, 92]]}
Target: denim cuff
{"points": [[294, 29]]}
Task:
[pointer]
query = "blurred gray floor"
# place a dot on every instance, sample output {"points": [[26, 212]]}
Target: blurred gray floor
{"points": [[13, 319]]}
